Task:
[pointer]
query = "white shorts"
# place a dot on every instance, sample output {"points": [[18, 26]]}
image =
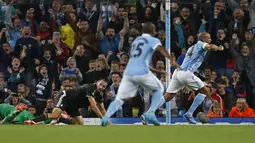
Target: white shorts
{"points": [[129, 85], [180, 79]]}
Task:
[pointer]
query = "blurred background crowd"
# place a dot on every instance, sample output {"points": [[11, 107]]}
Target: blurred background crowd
{"points": [[51, 45]]}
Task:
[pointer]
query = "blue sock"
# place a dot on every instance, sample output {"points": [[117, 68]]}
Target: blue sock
{"points": [[114, 106], [197, 101], [156, 101]]}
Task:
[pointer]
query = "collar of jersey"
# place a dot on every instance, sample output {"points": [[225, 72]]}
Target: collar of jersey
{"points": [[144, 34]]}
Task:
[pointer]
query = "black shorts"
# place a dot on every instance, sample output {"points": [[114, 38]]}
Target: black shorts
{"points": [[65, 105]]}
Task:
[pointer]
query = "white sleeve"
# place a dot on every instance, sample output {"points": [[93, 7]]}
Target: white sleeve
{"points": [[156, 43]]}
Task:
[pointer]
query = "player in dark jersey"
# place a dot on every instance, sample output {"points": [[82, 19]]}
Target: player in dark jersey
{"points": [[74, 99]]}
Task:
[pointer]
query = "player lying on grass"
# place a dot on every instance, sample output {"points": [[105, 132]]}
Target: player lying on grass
{"points": [[10, 114], [18, 115], [73, 99]]}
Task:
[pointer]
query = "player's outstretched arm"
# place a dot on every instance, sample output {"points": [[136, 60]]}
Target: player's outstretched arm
{"points": [[102, 108], [165, 53], [94, 107], [213, 47]]}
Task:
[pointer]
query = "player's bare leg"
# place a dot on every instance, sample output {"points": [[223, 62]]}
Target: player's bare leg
{"points": [[56, 113], [78, 120], [169, 96], [203, 92]]}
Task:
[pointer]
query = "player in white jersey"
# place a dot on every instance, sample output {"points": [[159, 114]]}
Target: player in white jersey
{"points": [[137, 74], [184, 75]]}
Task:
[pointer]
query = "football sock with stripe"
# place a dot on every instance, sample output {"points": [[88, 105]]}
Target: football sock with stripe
{"points": [[156, 101], [114, 107], [40, 118], [197, 101]]}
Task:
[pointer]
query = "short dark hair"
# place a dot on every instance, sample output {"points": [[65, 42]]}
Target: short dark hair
{"points": [[115, 62], [13, 19], [236, 70], [148, 27], [14, 57], [214, 85], [43, 65], [31, 106], [244, 44], [118, 73], [84, 20], [66, 79], [208, 67], [123, 64], [202, 35], [5, 43], [69, 3], [103, 80], [92, 61], [221, 81], [124, 54]]}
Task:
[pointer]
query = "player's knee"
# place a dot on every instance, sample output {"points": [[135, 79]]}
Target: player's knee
{"points": [[56, 113], [204, 91], [120, 100], [161, 89], [79, 121], [168, 96]]}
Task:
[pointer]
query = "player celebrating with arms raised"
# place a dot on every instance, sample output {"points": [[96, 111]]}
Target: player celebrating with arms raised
{"points": [[184, 76], [137, 74]]}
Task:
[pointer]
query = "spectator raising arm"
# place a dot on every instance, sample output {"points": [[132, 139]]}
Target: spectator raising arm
{"points": [[125, 29], [100, 34]]}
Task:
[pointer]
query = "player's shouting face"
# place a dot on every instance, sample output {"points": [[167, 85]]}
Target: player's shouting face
{"points": [[207, 38], [101, 85]]}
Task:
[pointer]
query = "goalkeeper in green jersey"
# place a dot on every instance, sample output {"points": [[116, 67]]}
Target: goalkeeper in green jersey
{"points": [[11, 114]]}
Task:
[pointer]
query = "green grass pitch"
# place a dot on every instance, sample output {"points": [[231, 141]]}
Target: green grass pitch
{"points": [[127, 134]]}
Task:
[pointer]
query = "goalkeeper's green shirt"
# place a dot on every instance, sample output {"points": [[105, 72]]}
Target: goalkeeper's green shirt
{"points": [[5, 110], [23, 116]]}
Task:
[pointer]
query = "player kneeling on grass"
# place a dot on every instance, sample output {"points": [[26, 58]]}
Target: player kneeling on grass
{"points": [[74, 99]]}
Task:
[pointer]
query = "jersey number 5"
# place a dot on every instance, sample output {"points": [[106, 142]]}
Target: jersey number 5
{"points": [[136, 50]]}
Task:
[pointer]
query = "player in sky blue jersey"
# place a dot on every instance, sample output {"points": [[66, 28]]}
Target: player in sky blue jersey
{"points": [[137, 74], [184, 75]]}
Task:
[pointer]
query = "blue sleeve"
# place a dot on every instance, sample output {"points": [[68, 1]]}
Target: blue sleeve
{"points": [[180, 59], [155, 42], [202, 28], [181, 37], [117, 37]]}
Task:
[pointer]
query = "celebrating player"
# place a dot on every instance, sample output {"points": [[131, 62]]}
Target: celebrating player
{"points": [[74, 99], [184, 77], [137, 74]]}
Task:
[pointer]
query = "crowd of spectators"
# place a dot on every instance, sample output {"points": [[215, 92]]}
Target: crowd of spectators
{"points": [[50, 45]]}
